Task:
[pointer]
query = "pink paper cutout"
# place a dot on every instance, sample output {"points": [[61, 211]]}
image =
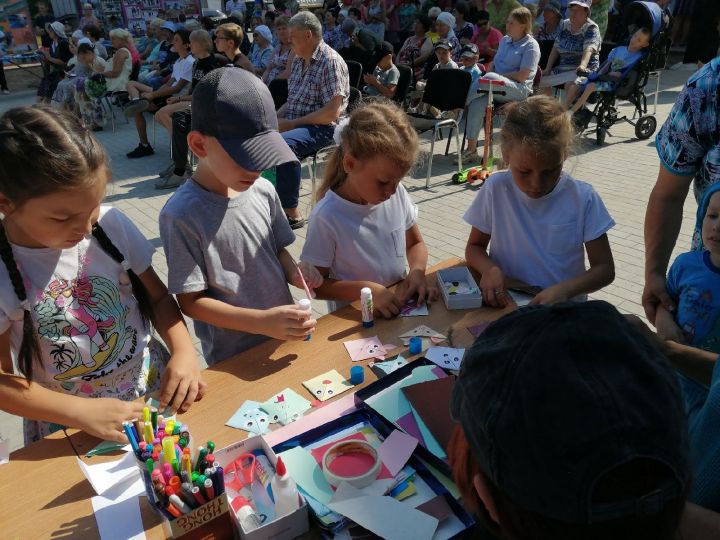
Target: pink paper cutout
{"points": [[396, 449], [409, 425], [364, 348]]}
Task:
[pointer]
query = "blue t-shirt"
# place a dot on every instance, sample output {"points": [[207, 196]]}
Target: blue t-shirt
{"points": [[694, 282], [513, 56], [621, 58]]}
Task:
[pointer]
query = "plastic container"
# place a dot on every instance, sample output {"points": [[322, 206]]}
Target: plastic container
{"points": [[284, 491], [366, 305], [305, 305]]}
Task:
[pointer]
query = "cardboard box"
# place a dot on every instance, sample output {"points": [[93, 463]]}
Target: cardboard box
{"points": [[288, 526], [459, 301]]}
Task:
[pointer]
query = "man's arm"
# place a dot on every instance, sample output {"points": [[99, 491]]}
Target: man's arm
{"points": [[324, 116], [663, 219]]}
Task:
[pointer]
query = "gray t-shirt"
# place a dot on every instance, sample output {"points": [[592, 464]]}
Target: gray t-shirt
{"points": [[227, 247], [388, 77]]}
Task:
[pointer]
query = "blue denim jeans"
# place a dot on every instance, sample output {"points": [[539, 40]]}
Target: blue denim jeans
{"points": [[304, 141]]}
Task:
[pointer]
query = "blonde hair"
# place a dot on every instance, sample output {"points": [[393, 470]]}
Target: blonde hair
{"points": [[121, 33], [540, 123], [157, 22], [231, 31], [524, 17], [380, 128]]}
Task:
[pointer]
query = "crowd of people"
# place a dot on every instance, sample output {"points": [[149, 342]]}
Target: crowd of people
{"points": [[573, 421]]}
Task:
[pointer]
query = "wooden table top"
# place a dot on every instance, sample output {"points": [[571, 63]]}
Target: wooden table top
{"points": [[54, 498]]}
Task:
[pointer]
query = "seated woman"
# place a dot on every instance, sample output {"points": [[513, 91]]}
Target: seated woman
{"points": [[261, 49], [486, 37], [417, 48], [515, 64], [577, 48], [552, 18], [119, 66], [54, 60], [86, 62], [282, 56]]}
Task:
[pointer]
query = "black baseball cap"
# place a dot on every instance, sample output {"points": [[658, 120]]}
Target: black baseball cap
{"points": [[383, 50], [234, 106], [443, 44], [469, 49], [551, 398]]}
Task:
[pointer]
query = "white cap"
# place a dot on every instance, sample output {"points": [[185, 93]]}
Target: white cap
{"points": [[304, 304], [366, 291]]}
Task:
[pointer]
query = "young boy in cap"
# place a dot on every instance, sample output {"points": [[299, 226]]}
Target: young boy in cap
{"points": [[384, 80], [469, 58], [224, 231], [443, 51], [572, 427]]}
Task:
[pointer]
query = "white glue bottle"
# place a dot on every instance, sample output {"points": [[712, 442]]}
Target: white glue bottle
{"points": [[366, 305], [284, 491], [305, 305], [247, 517]]}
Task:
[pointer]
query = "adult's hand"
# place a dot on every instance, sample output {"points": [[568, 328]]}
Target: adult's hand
{"points": [[655, 294]]}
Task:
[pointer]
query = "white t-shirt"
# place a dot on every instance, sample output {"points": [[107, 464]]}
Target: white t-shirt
{"points": [[182, 70], [232, 5], [360, 241], [92, 336], [539, 241]]}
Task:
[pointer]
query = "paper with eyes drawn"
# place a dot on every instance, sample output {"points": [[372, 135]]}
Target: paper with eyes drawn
{"points": [[251, 418], [412, 309], [364, 348], [423, 332], [327, 385], [388, 366], [445, 357], [285, 407]]}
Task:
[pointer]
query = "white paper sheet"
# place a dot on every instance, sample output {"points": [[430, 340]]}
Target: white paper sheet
{"points": [[4, 451], [103, 476], [118, 511], [383, 516]]}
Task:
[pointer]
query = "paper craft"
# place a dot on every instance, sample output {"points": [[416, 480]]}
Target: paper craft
{"points": [[395, 451], [327, 385], [445, 357], [348, 465], [431, 401], [424, 332], [388, 366], [437, 507], [364, 348], [251, 418], [304, 469], [106, 447], [479, 328], [412, 309], [383, 516], [4, 451], [118, 512], [103, 476], [285, 407], [521, 299], [459, 287], [408, 424]]}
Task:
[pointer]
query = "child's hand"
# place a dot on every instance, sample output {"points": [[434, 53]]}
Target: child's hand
{"points": [[667, 328], [181, 384], [552, 295], [492, 285], [415, 285], [103, 417], [287, 323], [386, 303], [312, 277]]}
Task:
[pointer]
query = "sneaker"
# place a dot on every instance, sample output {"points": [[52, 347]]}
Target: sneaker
{"points": [[136, 107], [296, 223], [6, 91], [469, 157], [170, 182], [170, 169], [142, 150]]}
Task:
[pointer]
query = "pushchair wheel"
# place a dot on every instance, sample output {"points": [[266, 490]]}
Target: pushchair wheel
{"points": [[600, 133], [645, 127]]}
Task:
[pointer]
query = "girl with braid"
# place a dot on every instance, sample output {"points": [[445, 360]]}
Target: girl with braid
{"points": [[78, 296]]}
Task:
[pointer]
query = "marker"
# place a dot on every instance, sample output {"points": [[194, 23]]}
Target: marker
{"points": [[200, 480], [180, 504], [176, 429], [137, 434], [176, 466], [153, 417], [219, 480], [146, 414], [160, 420], [182, 442], [187, 495], [202, 452], [210, 447], [143, 446], [197, 495], [150, 464], [209, 489], [185, 476], [140, 428], [173, 510], [210, 461], [167, 472], [168, 449], [169, 425], [187, 464], [175, 484], [148, 432], [131, 438]]}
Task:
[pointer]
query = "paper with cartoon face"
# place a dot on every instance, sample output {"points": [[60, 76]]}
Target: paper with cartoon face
{"points": [[388, 366], [445, 357], [327, 385], [285, 407], [424, 332], [251, 418], [362, 349]]}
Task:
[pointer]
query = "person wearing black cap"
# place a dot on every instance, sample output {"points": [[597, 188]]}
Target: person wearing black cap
{"points": [[571, 427], [383, 81], [224, 231]]}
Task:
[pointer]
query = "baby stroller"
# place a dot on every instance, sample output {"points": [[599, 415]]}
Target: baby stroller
{"points": [[632, 87]]}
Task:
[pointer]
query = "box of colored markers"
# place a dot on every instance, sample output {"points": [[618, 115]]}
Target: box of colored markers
{"points": [[183, 483], [249, 466]]}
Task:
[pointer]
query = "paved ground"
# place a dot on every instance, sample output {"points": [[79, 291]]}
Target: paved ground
{"points": [[623, 171]]}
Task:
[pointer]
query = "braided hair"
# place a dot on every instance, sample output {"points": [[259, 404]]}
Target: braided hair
{"points": [[45, 151]]}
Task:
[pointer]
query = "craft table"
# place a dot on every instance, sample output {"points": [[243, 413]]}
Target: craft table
{"points": [[46, 495]]}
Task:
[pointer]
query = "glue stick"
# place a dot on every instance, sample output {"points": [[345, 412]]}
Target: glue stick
{"points": [[304, 304], [366, 304]]}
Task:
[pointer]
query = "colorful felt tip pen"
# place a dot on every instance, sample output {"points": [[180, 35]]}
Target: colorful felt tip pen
{"points": [[181, 505], [187, 464], [153, 417], [169, 426], [173, 510], [219, 480], [202, 452], [209, 489], [197, 495], [131, 438], [210, 447], [150, 464], [146, 414], [168, 449], [176, 466], [148, 432]]}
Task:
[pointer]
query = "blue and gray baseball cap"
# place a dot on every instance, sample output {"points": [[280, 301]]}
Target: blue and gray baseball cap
{"points": [[235, 107]]}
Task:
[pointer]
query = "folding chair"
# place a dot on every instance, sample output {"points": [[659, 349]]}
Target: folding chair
{"points": [[279, 92], [355, 71], [446, 90], [403, 85]]}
